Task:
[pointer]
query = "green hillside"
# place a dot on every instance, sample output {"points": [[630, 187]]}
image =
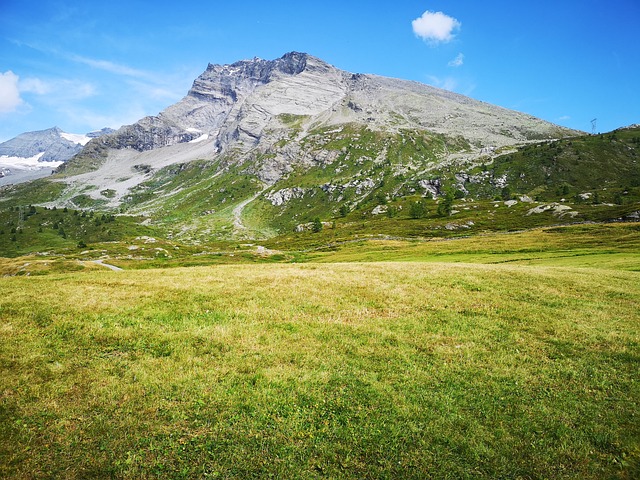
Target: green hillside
{"points": [[369, 183], [603, 165], [375, 178]]}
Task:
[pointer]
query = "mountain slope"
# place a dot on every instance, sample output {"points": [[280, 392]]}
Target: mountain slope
{"points": [[270, 118], [264, 148]]}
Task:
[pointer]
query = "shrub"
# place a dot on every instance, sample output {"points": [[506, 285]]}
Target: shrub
{"points": [[446, 204], [418, 209]]}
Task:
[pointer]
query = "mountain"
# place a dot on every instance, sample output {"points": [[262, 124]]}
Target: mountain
{"points": [[34, 154], [261, 148], [269, 118], [250, 104]]}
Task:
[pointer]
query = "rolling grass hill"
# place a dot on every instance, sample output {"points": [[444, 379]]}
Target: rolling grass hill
{"points": [[428, 367], [446, 353], [605, 165]]}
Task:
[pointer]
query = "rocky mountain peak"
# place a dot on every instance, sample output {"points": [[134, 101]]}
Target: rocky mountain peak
{"points": [[245, 75], [32, 155], [221, 104], [51, 143], [291, 63]]}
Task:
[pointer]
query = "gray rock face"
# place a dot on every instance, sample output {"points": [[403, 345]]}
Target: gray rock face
{"points": [[259, 112], [235, 104], [285, 195], [216, 106], [147, 134], [99, 133], [431, 187]]}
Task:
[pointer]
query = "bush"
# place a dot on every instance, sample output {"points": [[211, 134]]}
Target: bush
{"points": [[418, 209], [446, 204]]}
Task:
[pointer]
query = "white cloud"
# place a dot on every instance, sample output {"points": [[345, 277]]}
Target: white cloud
{"points": [[458, 61], [435, 27], [9, 92], [35, 85], [564, 117]]}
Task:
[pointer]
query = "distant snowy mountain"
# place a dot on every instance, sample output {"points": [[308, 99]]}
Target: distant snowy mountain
{"points": [[35, 154]]}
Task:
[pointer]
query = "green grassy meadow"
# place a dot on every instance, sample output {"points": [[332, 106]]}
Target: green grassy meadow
{"points": [[497, 356]]}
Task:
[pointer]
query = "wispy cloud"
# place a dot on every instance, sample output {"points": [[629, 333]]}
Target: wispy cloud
{"points": [[91, 92], [435, 27], [110, 67], [96, 63], [36, 85], [57, 90], [96, 119], [10, 98], [152, 85], [564, 118], [458, 61], [156, 91]]}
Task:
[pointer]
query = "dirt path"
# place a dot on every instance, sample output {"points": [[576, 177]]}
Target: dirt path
{"points": [[112, 267], [237, 211]]}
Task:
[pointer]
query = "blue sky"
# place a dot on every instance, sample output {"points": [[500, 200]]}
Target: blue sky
{"points": [[86, 65]]}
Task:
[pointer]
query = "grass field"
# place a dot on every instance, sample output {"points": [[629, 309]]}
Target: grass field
{"points": [[481, 365]]}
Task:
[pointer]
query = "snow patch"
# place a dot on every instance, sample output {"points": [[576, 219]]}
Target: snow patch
{"points": [[76, 138], [201, 138], [31, 163]]}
